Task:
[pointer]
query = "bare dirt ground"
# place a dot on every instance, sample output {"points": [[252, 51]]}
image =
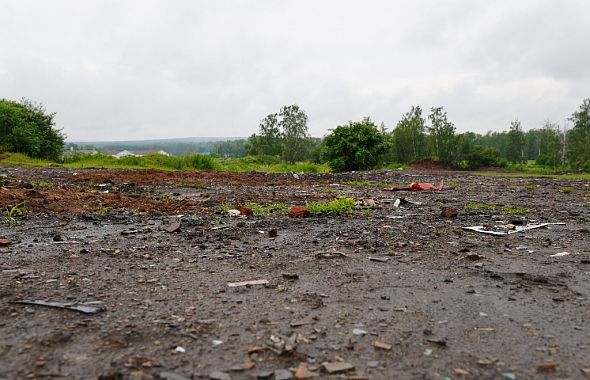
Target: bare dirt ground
{"points": [[388, 293]]}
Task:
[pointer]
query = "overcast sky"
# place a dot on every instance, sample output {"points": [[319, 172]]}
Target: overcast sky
{"points": [[121, 70]]}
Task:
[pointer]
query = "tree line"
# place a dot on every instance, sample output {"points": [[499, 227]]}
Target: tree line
{"points": [[364, 145], [26, 127]]}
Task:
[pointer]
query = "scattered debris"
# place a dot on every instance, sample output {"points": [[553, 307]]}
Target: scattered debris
{"points": [[367, 202], [586, 371], [560, 254], [280, 344], [338, 367], [508, 376], [245, 211], [299, 212], [483, 230], [124, 233], [359, 332], [438, 342], [400, 201], [180, 349], [382, 345], [448, 212], [233, 212], [5, 242], [330, 254], [83, 307], [461, 372], [379, 259], [418, 187], [247, 283]]}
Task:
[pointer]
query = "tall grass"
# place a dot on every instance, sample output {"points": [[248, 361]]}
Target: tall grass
{"points": [[150, 161]]}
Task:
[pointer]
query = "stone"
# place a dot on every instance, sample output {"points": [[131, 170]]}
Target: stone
{"points": [[5, 242], [283, 374], [173, 227], [548, 367], [338, 367], [303, 373], [217, 375], [382, 346], [171, 376], [299, 212], [448, 212]]}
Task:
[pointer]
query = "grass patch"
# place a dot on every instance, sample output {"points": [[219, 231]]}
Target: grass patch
{"points": [[566, 189], [272, 165], [44, 184], [19, 159], [264, 211], [341, 205], [509, 210], [150, 161]]}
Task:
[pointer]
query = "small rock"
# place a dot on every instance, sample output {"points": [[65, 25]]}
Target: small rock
{"points": [[382, 345], [173, 227], [448, 212], [299, 212], [509, 376], [368, 202], [586, 371], [548, 367], [5, 242], [290, 276], [264, 375], [171, 376], [359, 332], [475, 256], [245, 211], [283, 374], [373, 364], [58, 237], [510, 226], [217, 375], [273, 233], [338, 367], [303, 373]]}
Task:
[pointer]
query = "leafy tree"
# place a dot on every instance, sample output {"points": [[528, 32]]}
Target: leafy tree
{"points": [[578, 138], [547, 142], [356, 146], [442, 135], [409, 138], [295, 133], [230, 148], [269, 141], [284, 134], [515, 147], [26, 127]]}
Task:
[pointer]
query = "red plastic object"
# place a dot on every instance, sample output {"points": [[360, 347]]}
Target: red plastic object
{"points": [[426, 186]]}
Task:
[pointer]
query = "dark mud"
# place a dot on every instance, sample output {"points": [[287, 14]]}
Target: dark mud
{"points": [[398, 293]]}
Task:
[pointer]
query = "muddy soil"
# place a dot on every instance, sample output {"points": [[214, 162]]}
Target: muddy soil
{"points": [[385, 292]]}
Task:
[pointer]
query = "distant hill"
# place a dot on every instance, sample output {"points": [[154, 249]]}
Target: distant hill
{"points": [[174, 146]]}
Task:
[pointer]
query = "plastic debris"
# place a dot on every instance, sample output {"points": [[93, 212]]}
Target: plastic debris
{"points": [[418, 187], [233, 212], [83, 307], [382, 345], [560, 254], [246, 283], [359, 332], [483, 230]]}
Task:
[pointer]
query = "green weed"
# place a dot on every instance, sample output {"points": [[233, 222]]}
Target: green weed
{"points": [[566, 189], [364, 183], [341, 205], [12, 212], [510, 210], [264, 211]]}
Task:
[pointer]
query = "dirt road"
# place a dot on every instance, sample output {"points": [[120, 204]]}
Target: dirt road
{"points": [[384, 292]]}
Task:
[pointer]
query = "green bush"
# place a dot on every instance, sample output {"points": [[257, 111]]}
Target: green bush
{"points": [[356, 146], [27, 128]]}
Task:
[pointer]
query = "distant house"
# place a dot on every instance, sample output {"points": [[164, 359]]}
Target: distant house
{"points": [[125, 153]]}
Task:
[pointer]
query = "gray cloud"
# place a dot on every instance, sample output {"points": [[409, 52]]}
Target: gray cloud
{"points": [[156, 69]]}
